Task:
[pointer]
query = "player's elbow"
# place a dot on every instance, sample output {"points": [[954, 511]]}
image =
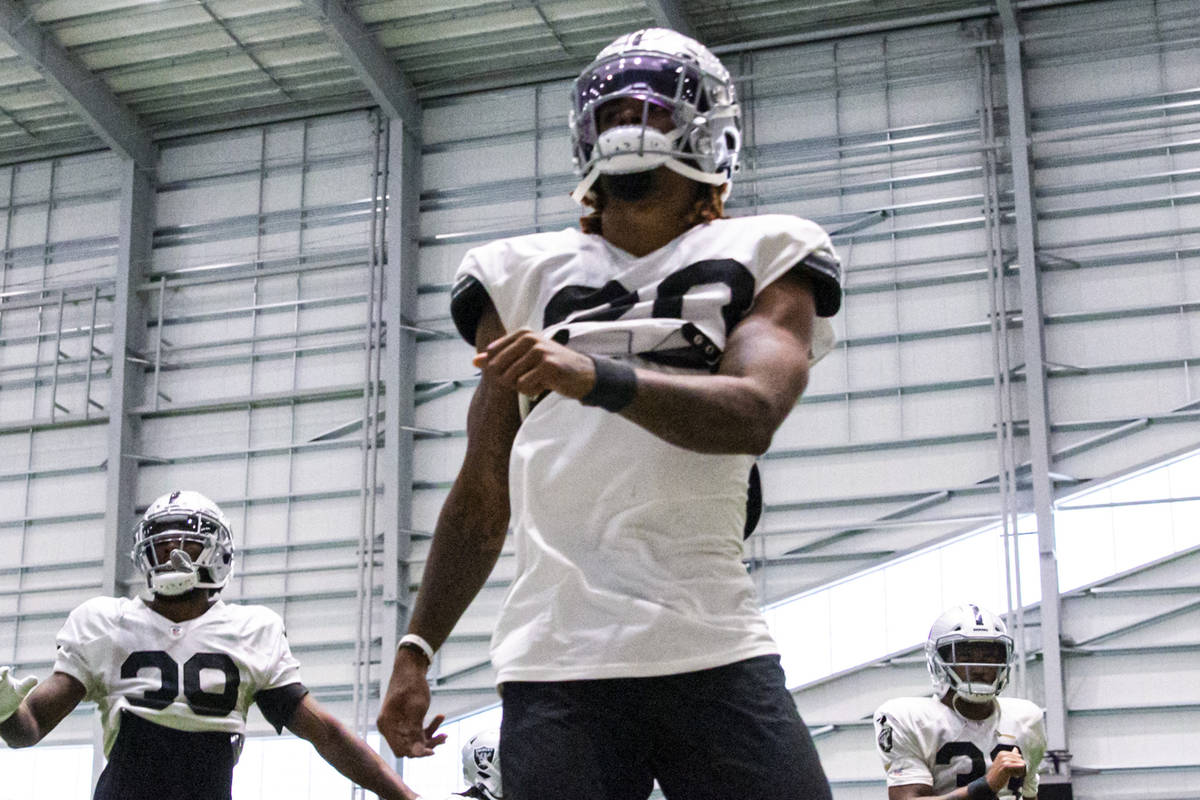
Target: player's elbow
{"points": [[756, 440], [764, 414]]}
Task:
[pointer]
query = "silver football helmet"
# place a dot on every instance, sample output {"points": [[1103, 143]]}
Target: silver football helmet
{"points": [[969, 650], [182, 518], [665, 68], [481, 763]]}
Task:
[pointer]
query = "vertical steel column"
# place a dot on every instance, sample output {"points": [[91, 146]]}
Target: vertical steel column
{"points": [[56, 406], [134, 241], [291, 469], [247, 465], [1001, 362], [88, 402], [402, 220], [134, 238], [1033, 334], [537, 156], [158, 339], [370, 436]]}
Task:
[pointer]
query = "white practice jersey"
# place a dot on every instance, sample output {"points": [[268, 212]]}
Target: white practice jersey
{"points": [[922, 741], [629, 548], [198, 675]]}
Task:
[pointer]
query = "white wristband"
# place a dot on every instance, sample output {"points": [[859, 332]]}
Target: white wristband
{"points": [[419, 641]]}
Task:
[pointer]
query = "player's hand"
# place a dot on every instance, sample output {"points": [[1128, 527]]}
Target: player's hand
{"points": [[1007, 765], [531, 365], [402, 716], [13, 691]]}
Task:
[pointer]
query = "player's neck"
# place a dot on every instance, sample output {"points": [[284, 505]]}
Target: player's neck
{"points": [[184, 607], [641, 226], [972, 711]]}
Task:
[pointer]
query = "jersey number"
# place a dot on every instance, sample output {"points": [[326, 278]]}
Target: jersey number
{"points": [[208, 704], [978, 767], [612, 301]]}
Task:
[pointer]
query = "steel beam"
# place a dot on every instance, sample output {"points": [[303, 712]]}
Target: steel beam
{"points": [[403, 187], [86, 93], [1033, 336], [388, 85], [136, 219], [670, 14]]}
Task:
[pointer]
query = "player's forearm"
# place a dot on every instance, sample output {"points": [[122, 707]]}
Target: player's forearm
{"points": [[708, 413], [21, 729], [352, 757], [473, 521], [466, 544]]}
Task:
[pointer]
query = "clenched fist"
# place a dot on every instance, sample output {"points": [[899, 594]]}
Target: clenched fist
{"points": [[531, 365]]}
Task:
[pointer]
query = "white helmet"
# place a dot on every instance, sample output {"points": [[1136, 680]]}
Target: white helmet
{"points": [[184, 516], [668, 69], [481, 763], [991, 650]]}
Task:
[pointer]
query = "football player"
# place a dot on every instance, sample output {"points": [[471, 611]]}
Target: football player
{"points": [[631, 371], [481, 766], [174, 675], [965, 742]]}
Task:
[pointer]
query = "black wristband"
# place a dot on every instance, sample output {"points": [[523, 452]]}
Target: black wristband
{"points": [[616, 385], [979, 789]]}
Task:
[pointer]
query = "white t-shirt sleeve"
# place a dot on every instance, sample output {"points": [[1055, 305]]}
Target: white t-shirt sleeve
{"points": [[281, 667], [496, 266], [81, 643], [787, 244], [899, 748]]}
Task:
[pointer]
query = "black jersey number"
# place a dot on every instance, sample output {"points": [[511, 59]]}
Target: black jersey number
{"points": [[208, 704], [978, 766], [612, 300]]}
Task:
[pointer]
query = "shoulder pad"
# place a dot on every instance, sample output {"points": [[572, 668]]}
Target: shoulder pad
{"points": [[467, 301]]}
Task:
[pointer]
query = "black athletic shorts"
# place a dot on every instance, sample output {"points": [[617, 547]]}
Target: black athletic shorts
{"points": [[728, 733], [154, 762]]}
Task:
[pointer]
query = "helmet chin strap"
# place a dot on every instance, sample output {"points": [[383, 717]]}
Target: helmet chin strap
{"points": [[971, 697], [181, 579], [636, 148], [962, 690]]}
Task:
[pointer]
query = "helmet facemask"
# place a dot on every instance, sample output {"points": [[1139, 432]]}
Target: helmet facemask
{"points": [[665, 69], [977, 669], [970, 652], [180, 546]]}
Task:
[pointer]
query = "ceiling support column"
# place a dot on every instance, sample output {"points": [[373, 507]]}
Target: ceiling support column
{"points": [[1037, 397], [401, 278]]}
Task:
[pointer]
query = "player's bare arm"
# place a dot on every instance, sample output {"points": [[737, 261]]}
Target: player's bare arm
{"points": [[1008, 764], [41, 710], [347, 753], [762, 374], [467, 540]]}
